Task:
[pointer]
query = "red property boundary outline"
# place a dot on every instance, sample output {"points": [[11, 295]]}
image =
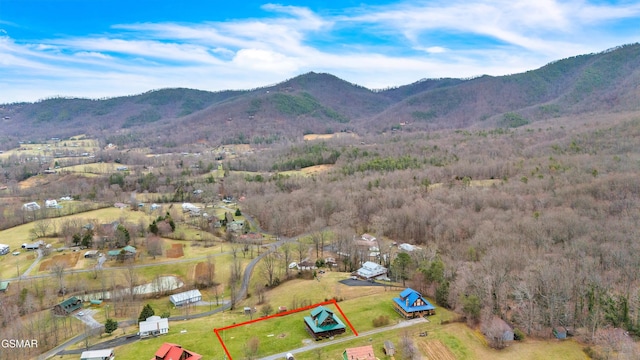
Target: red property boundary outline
{"points": [[332, 301]]}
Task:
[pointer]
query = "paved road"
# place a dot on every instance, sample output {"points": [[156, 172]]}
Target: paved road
{"points": [[77, 339], [323, 343], [60, 350], [87, 318]]}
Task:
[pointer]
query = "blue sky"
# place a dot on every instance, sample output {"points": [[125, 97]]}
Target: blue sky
{"points": [[98, 48]]}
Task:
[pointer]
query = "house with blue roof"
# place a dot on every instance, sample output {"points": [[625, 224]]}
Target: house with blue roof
{"points": [[323, 323], [411, 304]]}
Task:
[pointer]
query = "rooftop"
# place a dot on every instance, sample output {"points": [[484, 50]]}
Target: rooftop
{"points": [[359, 353]]}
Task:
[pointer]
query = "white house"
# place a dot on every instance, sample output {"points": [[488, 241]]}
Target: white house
{"points": [[106, 354], [31, 206], [187, 297], [408, 247], [4, 249], [154, 326], [33, 246], [369, 238], [371, 270], [52, 203], [186, 207]]}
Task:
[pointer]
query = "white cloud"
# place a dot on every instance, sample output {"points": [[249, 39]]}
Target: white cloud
{"points": [[432, 49], [264, 60], [421, 39]]}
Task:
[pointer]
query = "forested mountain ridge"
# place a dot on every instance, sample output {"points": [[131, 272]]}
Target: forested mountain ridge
{"points": [[311, 103]]}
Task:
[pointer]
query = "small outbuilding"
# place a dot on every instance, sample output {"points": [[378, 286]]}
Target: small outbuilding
{"points": [[91, 254], [4, 249], [4, 285], [388, 348], [105, 354], [560, 332], [31, 206]]}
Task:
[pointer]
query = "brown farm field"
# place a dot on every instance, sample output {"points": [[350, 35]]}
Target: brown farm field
{"points": [[436, 350], [67, 261], [175, 251], [311, 137]]}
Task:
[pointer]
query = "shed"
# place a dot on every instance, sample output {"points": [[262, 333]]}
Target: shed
{"points": [[91, 254], [4, 249], [249, 310], [560, 332], [388, 348], [95, 302], [497, 330], [105, 354], [31, 206], [4, 285]]}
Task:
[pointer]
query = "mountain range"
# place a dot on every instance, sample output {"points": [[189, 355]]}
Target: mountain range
{"points": [[608, 81]]}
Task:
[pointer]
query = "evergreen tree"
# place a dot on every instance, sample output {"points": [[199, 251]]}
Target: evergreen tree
{"points": [[147, 312], [110, 326], [87, 239]]}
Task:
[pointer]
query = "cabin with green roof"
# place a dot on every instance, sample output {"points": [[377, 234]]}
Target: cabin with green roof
{"points": [[127, 252], [68, 306], [323, 323]]}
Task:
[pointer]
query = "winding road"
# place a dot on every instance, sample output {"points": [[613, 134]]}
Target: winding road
{"points": [[242, 293]]}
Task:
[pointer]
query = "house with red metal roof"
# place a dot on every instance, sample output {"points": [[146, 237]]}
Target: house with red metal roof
{"points": [[359, 353], [170, 351]]}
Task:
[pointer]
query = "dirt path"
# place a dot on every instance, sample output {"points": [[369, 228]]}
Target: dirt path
{"points": [[33, 265]]}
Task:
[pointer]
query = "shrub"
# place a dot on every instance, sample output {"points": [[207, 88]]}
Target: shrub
{"points": [[381, 320], [518, 334]]}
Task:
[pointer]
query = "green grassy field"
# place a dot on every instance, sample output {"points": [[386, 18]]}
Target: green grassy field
{"points": [[93, 168], [282, 334], [285, 333]]}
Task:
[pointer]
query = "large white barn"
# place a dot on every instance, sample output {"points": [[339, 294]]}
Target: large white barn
{"points": [[187, 297]]}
